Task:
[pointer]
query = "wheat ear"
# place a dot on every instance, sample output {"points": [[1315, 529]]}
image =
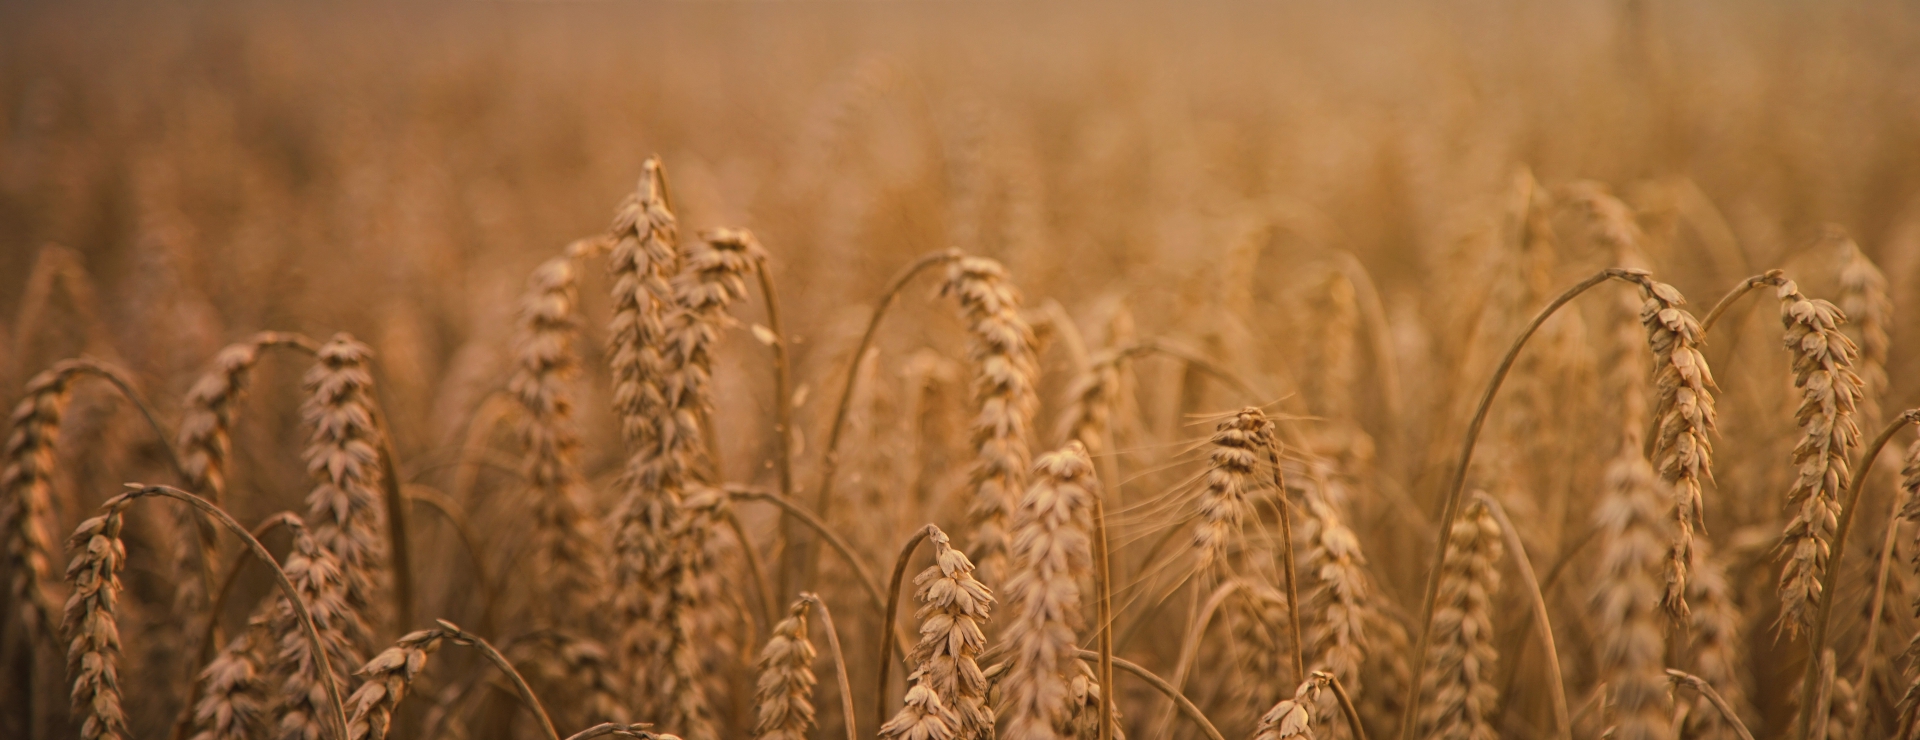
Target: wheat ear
{"points": [[343, 454], [1005, 373], [1293, 717], [783, 698], [1459, 677], [1626, 599], [92, 626], [954, 608], [386, 680], [232, 703], [566, 556], [1049, 554], [320, 581], [1823, 361]]}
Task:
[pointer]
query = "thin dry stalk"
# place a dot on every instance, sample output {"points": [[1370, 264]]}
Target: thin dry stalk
{"points": [[783, 698], [1049, 554], [1459, 678], [1719, 704], [839, 664], [1005, 373], [92, 626]]}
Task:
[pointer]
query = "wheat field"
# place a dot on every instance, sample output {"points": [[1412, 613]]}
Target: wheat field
{"points": [[960, 370]]}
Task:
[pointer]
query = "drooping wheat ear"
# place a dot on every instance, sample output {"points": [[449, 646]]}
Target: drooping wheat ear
{"points": [[345, 510], [921, 717], [954, 608], [1631, 649], [205, 442], [1719, 656], [1226, 493], [1294, 717], [387, 678], [1005, 372], [92, 627], [1683, 417], [1823, 360], [1869, 311], [320, 578], [1458, 682], [1048, 555], [567, 560], [232, 699], [1337, 606], [783, 700], [26, 485]]}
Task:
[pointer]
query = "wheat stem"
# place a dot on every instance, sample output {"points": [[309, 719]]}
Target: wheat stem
{"points": [[1726, 710], [1286, 557], [1746, 286], [839, 661]]}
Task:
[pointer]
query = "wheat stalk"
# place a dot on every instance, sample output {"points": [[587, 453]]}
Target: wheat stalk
{"points": [[1002, 351], [1459, 676], [233, 698], [1830, 394], [783, 698], [92, 625], [343, 454], [566, 553], [387, 678], [1626, 599]]}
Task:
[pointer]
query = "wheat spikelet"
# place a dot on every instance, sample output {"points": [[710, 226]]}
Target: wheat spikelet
{"points": [[565, 549], [1225, 497], [321, 580], [345, 510], [1294, 717], [1336, 607], [1626, 600], [1048, 555], [232, 698], [1002, 351], [921, 717], [1083, 705], [387, 678], [26, 487], [93, 628], [1458, 684], [1830, 393], [1718, 656], [783, 699], [954, 609], [1869, 311]]}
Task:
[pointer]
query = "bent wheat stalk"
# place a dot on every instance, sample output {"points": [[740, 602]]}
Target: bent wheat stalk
{"points": [[1726, 710], [1457, 486], [1816, 639], [839, 662]]}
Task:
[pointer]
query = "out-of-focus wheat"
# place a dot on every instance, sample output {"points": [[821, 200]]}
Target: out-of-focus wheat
{"points": [[1823, 361], [1002, 350]]}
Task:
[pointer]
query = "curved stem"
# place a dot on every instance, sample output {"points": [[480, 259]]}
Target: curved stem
{"points": [[1558, 691], [893, 605], [865, 575], [1190, 644], [830, 460], [1817, 639], [1347, 708], [500, 661], [1879, 602], [754, 571], [782, 394], [214, 607], [1161, 685], [1103, 587], [1713, 697], [1286, 559], [839, 661], [286, 584], [1458, 484], [462, 528], [1766, 278]]}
